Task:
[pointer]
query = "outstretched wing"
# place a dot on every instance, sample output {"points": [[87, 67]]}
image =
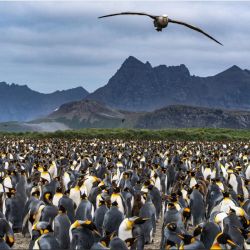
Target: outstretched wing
{"points": [[194, 28], [130, 13]]}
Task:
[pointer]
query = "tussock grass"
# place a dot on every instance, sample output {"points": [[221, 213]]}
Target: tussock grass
{"points": [[190, 134]]}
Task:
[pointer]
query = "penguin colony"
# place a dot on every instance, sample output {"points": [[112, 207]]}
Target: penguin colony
{"points": [[94, 194]]}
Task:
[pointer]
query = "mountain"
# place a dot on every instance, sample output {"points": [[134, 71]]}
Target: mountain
{"points": [[90, 113], [178, 116], [93, 114], [20, 103], [138, 86]]}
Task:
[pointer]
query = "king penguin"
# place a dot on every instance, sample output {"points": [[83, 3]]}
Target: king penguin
{"points": [[46, 240], [112, 219], [99, 215], [85, 210], [6, 234], [83, 234], [61, 225]]}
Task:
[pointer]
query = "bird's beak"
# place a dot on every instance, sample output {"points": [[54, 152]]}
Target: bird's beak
{"points": [[95, 231], [230, 242], [10, 240], [180, 236], [112, 235], [76, 224]]}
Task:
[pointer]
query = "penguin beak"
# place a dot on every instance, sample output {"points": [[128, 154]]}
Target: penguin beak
{"points": [[180, 236], [230, 242], [140, 220], [34, 226], [96, 232], [112, 235], [10, 240], [87, 222], [76, 224]]}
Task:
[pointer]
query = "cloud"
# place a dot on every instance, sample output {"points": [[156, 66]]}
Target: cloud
{"points": [[52, 45]]}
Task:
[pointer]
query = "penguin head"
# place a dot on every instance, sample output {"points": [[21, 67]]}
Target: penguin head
{"points": [[62, 209], [59, 190], [135, 220], [189, 190], [186, 238], [126, 189], [182, 177], [43, 181], [147, 183], [171, 226], [246, 182], [129, 242], [11, 192], [226, 194], [173, 197], [170, 244], [144, 195], [245, 223], [186, 213], [41, 228], [232, 211], [36, 193], [45, 168], [125, 175], [192, 174], [89, 225], [23, 173], [223, 238], [106, 239], [47, 196], [67, 192], [171, 205], [179, 194], [197, 231], [101, 202], [9, 239], [116, 190], [114, 204], [240, 198], [84, 196]]}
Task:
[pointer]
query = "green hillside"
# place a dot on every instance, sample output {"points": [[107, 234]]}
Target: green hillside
{"points": [[193, 134]]}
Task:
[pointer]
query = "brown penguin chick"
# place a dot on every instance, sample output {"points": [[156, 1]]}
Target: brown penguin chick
{"points": [[203, 185], [137, 205]]}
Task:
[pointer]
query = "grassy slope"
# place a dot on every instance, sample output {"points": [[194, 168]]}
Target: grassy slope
{"points": [[134, 134]]}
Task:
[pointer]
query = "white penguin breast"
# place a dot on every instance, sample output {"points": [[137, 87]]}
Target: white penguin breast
{"points": [[248, 172], [123, 233]]}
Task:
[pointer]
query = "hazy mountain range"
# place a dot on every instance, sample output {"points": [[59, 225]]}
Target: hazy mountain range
{"points": [[87, 113], [92, 114], [20, 103], [138, 95]]}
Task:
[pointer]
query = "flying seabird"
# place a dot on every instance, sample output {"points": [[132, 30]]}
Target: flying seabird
{"points": [[161, 22]]}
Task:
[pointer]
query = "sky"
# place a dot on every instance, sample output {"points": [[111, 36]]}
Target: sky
{"points": [[59, 45]]}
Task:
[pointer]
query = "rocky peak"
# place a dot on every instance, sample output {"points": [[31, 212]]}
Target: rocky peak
{"points": [[172, 72], [133, 63], [233, 72]]}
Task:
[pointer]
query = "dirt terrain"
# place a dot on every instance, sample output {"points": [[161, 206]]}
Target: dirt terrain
{"points": [[21, 242], [157, 238]]}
